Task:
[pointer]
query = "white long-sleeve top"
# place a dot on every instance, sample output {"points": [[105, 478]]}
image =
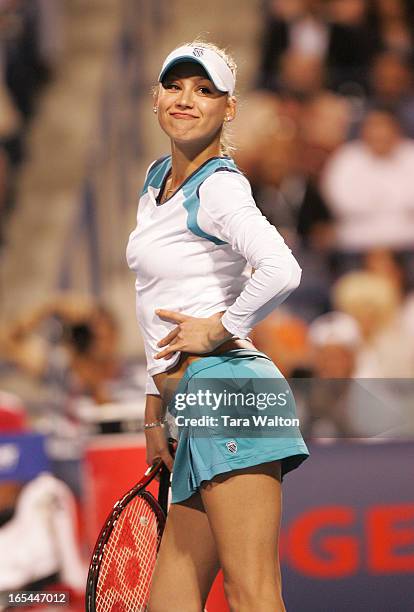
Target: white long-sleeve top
{"points": [[190, 254]]}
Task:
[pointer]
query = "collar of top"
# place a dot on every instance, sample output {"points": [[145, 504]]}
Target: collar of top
{"points": [[215, 66]]}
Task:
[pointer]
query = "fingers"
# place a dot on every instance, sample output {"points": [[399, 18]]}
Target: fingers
{"points": [[167, 353], [157, 449], [171, 315], [169, 337], [173, 335], [168, 460], [170, 350]]}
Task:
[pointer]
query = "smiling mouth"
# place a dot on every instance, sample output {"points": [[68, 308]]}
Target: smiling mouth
{"points": [[182, 116]]}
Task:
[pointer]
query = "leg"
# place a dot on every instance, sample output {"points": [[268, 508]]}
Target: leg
{"points": [[244, 509], [187, 562]]}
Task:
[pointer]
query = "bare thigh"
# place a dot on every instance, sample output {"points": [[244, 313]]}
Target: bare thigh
{"points": [[187, 562], [244, 511]]}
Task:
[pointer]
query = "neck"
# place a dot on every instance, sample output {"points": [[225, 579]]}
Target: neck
{"points": [[185, 159]]}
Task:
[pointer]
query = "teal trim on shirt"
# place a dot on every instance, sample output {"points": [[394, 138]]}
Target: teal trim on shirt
{"points": [[190, 187], [156, 173], [191, 192]]}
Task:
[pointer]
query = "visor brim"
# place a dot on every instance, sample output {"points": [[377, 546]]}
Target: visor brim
{"points": [[181, 60]]}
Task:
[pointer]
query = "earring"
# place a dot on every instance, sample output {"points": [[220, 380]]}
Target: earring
{"points": [[155, 109]]}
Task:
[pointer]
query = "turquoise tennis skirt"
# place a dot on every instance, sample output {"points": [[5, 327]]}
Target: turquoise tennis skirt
{"points": [[228, 412]]}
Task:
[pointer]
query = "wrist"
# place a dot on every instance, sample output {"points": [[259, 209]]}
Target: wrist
{"points": [[154, 423], [219, 333]]}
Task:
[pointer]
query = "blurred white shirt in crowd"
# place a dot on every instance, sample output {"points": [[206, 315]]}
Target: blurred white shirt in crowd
{"points": [[371, 197], [40, 540]]}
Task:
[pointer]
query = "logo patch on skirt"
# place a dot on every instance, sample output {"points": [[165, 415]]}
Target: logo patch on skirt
{"points": [[232, 446]]}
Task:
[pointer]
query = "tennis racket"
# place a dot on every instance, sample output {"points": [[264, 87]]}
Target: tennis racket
{"points": [[124, 556]]}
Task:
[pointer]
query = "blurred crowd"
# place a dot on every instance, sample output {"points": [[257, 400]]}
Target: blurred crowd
{"points": [[68, 351], [30, 42], [326, 140], [61, 364]]}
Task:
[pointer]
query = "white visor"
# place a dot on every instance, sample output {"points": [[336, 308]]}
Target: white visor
{"points": [[215, 66]]}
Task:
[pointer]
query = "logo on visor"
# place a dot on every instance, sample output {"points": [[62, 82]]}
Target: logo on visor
{"points": [[232, 446], [198, 51]]}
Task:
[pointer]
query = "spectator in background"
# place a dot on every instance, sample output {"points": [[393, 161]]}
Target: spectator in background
{"points": [[301, 75], [380, 404], [391, 81], [338, 400], [368, 185], [324, 124], [291, 200], [391, 265], [334, 340], [30, 45], [72, 344], [10, 133], [292, 29], [335, 34], [25, 69], [50, 33], [351, 46], [282, 155], [374, 302], [70, 347], [393, 23], [38, 543]]}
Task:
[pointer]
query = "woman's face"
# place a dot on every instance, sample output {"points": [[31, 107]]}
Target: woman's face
{"points": [[190, 108]]}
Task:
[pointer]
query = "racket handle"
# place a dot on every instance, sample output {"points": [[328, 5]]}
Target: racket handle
{"points": [[165, 480], [171, 443]]}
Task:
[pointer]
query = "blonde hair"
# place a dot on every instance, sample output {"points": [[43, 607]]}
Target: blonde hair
{"points": [[363, 290], [226, 145]]}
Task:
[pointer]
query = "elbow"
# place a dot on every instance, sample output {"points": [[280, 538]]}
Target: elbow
{"points": [[284, 273], [296, 274]]}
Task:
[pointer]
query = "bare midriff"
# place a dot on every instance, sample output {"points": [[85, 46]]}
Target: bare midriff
{"points": [[170, 378]]}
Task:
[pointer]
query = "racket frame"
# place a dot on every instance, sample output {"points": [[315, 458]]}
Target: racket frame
{"points": [[121, 504]]}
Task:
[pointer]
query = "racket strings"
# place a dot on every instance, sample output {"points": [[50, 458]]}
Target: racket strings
{"points": [[140, 560], [134, 595], [128, 560]]}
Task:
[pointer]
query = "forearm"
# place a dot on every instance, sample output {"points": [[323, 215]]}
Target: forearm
{"points": [[268, 287], [154, 408]]}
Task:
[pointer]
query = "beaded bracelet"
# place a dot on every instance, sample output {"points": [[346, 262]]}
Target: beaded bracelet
{"points": [[157, 423]]}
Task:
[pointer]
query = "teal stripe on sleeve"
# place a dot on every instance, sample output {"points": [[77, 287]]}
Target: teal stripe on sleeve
{"points": [[192, 196]]}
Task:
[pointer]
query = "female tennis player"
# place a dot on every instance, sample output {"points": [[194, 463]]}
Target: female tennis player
{"points": [[197, 226]]}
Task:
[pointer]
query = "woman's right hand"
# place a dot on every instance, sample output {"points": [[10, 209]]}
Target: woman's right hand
{"points": [[157, 447], [156, 442]]}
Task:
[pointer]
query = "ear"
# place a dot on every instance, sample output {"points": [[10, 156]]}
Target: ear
{"points": [[155, 96], [231, 108]]}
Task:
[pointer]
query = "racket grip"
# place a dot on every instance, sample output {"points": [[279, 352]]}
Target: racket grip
{"points": [[171, 443], [165, 478]]}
